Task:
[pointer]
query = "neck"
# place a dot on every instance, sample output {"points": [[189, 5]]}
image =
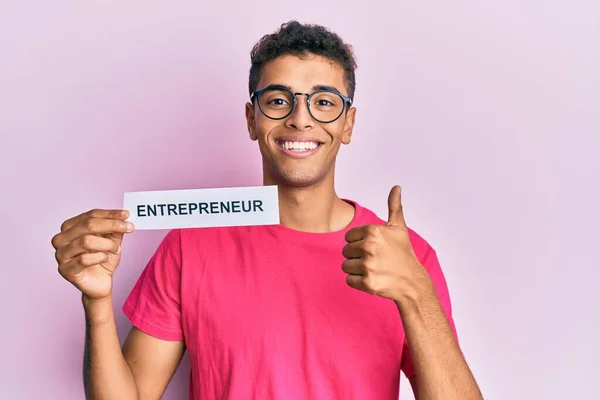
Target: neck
{"points": [[315, 208]]}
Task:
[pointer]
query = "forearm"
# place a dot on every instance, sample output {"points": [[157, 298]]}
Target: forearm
{"points": [[440, 368], [106, 374]]}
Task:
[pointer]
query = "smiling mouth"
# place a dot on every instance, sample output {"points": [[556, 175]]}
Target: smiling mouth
{"points": [[298, 147]]}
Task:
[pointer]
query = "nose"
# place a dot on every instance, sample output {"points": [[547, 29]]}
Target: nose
{"points": [[300, 118]]}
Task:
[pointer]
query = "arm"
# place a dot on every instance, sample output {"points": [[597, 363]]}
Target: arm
{"points": [[141, 370], [153, 362], [382, 260], [441, 371], [88, 251]]}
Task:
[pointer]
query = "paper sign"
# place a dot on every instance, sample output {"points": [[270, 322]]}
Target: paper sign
{"points": [[198, 208]]}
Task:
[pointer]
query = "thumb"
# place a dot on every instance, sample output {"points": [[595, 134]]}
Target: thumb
{"points": [[395, 215]]}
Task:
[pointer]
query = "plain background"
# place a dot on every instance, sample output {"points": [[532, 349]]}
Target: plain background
{"points": [[487, 113]]}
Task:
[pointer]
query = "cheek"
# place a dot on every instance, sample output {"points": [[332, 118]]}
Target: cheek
{"points": [[264, 127]]}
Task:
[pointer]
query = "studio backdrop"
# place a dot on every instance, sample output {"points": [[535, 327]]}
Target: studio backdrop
{"points": [[485, 112]]}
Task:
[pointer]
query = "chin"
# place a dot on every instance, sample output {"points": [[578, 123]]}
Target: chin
{"points": [[296, 178], [283, 170]]}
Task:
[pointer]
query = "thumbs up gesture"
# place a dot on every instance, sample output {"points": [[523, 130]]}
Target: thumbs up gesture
{"points": [[380, 259]]}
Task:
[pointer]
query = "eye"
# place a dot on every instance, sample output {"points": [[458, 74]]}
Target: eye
{"points": [[324, 102], [276, 99], [277, 102]]}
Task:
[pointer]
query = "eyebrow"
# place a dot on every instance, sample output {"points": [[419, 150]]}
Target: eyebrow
{"points": [[325, 87], [314, 88]]}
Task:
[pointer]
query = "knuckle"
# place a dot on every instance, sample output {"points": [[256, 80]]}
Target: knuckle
{"points": [[55, 241], [118, 226], [368, 264], [90, 224], [89, 259], [374, 230], [85, 259], [63, 226], [81, 259], [370, 248], [117, 214], [367, 267], [371, 284], [87, 242], [95, 213], [58, 256]]}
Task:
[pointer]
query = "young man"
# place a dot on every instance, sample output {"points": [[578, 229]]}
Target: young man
{"points": [[331, 304]]}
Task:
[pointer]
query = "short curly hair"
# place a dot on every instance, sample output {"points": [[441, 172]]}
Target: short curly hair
{"points": [[298, 39]]}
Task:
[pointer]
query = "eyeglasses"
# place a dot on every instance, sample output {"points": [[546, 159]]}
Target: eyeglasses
{"points": [[278, 102]]}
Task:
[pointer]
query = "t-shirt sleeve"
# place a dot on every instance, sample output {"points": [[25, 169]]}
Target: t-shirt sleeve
{"points": [[154, 304], [432, 265]]}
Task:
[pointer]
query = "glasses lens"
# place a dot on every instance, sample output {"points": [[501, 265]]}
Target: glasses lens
{"points": [[276, 103], [326, 106]]}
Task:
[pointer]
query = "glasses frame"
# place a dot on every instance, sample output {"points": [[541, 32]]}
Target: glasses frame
{"points": [[257, 94]]}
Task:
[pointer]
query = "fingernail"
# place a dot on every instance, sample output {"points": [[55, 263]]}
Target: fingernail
{"points": [[130, 227], [126, 213], [119, 250], [110, 256]]}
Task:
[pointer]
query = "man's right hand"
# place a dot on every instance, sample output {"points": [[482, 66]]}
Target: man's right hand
{"points": [[88, 250]]}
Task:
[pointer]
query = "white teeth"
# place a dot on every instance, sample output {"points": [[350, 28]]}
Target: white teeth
{"points": [[299, 146]]}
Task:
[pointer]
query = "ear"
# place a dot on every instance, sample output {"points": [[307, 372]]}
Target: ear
{"points": [[250, 121], [349, 126]]}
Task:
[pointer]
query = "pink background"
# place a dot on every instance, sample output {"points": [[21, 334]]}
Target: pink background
{"points": [[486, 112]]}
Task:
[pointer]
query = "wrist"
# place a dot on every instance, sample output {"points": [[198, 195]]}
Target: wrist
{"points": [[420, 293], [98, 310]]}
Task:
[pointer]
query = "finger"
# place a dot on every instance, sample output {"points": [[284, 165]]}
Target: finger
{"points": [[395, 214], [357, 282], [356, 234], [96, 213], [116, 237], [92, 226], [353, 266], [353, 250], [87, 244], [76, 265]]}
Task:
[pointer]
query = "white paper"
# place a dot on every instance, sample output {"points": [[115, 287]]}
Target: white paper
{"points": [[198, 208]]}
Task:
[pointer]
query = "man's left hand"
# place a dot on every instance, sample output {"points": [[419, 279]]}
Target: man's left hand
{"points": [[380, 258]]}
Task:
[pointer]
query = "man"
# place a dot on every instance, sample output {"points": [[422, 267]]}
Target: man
{"points": [[331, 304]]}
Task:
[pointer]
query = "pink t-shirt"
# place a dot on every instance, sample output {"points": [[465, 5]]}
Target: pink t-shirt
{"points": [[266, 313]]}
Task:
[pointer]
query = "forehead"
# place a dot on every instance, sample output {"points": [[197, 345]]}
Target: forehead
{"points": [[302, 73]]}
